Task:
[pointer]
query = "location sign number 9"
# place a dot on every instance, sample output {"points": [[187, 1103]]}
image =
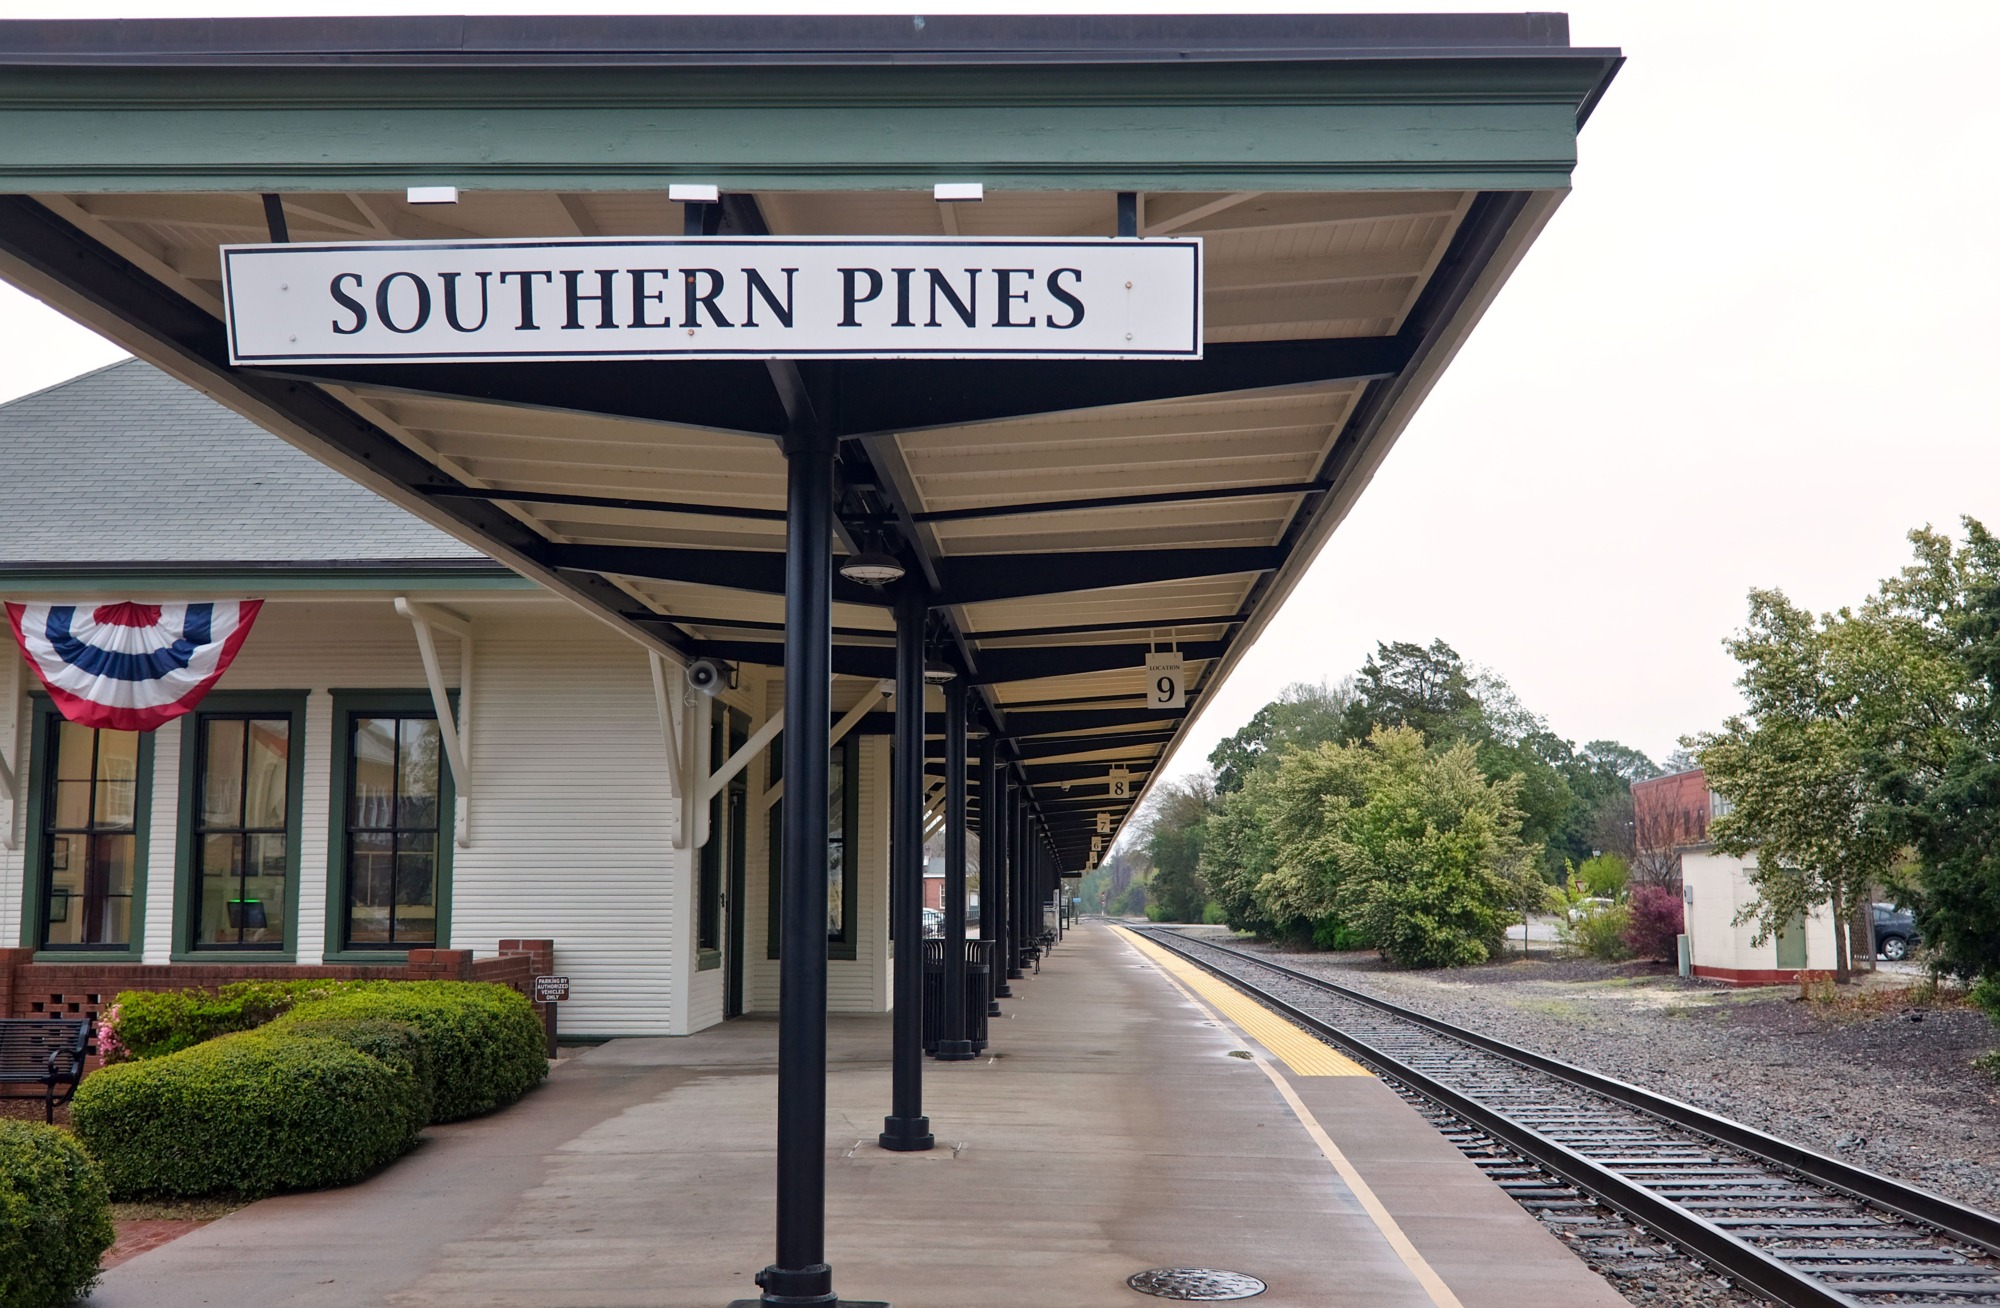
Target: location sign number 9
{"points": [[1165, 686]]}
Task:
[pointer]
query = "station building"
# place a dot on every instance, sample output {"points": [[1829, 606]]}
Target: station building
{"points": [[305, 818], [1081, 527], [1671, 816]]}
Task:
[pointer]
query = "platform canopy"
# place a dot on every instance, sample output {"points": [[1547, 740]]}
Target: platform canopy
{"points": [[1363, 186]]}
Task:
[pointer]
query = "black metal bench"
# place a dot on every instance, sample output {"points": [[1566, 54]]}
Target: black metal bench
{"points": [[45, 1053]]}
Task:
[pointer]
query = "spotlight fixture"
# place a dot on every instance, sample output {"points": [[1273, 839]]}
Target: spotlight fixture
{"points": [[871, 568], [959, 192], [693, 192], [430, 195], [937, 672]]}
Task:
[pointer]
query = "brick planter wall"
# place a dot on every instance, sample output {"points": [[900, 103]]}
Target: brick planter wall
{"points": [[31, 989]]}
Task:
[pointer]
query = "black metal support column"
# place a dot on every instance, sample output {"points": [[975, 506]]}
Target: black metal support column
{"points": [[1046, 867], [1017, 883], [800, 1275], [991, 845], [953, 1046], [906, 1129], [1002, 822]]}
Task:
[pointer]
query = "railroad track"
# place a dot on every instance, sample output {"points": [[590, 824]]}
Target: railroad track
{"points": [[1798, 1227]]}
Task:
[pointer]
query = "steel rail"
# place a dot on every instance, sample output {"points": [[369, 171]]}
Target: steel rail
{"points": [[1706, 1240], [1963, 1223]]}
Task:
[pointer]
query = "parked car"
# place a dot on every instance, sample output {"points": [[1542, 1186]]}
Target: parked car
{"points": [[934, 923], [1583, 908], [1895, 932]]}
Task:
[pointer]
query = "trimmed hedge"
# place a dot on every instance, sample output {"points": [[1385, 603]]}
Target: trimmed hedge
{"points": [[399, 1045], [155, 1023], [246, 1115], [55, 1217], [336, 1082], [485, 1044]]}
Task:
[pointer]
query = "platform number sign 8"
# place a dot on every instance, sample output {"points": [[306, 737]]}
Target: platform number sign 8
{"points": [[1121, 784], [1165, 688]]}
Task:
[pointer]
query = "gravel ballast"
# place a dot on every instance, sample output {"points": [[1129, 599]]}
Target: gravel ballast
{"points": [[1892, 1090], [1808, 1072]]}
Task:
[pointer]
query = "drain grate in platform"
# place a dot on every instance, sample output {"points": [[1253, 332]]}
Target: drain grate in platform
{"points": [[1198, 1283]]}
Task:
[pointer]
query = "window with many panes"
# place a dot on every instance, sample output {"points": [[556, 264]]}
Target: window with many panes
{"points": [[394, 830], [843, 774], [241, 838], [89, 835]]}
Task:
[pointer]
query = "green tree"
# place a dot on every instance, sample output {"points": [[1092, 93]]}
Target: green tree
{"points": [[1174, 824], [1604, 876], [1416, 848], [1936, 761], [1426, 688], [1823, 698], [1238, 852], [1303, 715]]}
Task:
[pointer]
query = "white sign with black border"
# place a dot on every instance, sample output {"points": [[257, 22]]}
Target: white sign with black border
{"points": [[591, 298]]}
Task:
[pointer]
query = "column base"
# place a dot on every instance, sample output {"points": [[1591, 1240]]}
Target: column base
{"points": [[993, 1007], [1014, 972], [800, 1287], [954, 1051], [906, 1135], [1001, 990]]}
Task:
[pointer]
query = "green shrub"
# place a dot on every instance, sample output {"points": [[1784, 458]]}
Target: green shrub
{"points": [[246, 1115], [1332, 933], [398, 1044], [485, 1044], [1987, 995], [154, 1023], [55, 1217], [1599, 931], [1212, 914], [1603, 876]]}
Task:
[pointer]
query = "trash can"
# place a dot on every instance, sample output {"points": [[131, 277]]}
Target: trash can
{"points": [[978, 990], [933, 992]]}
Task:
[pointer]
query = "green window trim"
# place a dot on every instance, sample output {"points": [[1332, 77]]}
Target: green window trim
{"points": [[729, 730], [847, 946], [45, 720], [187, 888], [348, 705]]}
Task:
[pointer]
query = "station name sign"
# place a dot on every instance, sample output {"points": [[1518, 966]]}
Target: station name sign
{"points": [[713, 298]]}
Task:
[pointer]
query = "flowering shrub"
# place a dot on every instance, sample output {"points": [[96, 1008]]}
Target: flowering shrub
{"points": [[109, 1046], [1654, 922]]}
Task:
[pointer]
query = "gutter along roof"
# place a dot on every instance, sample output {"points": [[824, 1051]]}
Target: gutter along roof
{"points": [[1363, 186]]}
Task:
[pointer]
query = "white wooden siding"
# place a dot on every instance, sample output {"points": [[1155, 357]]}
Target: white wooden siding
{"points": [[315, 825], [164, 831], [11, 860], [571, 819]]}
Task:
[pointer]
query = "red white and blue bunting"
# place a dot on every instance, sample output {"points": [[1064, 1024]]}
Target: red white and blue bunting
{"points": [[130, 667]]}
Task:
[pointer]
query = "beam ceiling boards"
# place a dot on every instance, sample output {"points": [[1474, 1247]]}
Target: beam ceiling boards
{"points": [[1073, 484]]}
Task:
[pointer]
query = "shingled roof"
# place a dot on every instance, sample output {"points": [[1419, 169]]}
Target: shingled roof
{"points": [[125, 464]]}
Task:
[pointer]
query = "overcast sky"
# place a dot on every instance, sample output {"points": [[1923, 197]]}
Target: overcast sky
{"points": [[1754, 348]]}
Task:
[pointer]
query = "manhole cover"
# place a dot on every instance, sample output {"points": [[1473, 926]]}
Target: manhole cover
{"points": [[1203, 1283]]}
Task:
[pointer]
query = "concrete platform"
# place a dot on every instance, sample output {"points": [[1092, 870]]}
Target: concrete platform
{"points": [[1112, 1130]]}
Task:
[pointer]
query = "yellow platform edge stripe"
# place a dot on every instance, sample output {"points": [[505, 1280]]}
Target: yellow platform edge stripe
{"points": [[1301, 1051]]}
